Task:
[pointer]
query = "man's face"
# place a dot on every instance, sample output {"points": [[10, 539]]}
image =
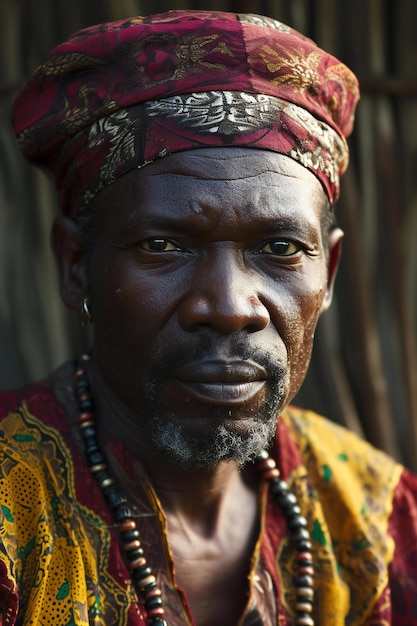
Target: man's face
{"points": [[207, 282]]}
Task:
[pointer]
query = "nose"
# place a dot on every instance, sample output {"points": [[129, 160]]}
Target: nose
{"points": [[224, 294]]}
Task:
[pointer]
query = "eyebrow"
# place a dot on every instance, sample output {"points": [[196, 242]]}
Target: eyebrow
{"points": [[182, 223]]}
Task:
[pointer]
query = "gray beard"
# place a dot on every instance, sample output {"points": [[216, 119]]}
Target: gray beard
{"points": [[221, 445], [224, 441]]}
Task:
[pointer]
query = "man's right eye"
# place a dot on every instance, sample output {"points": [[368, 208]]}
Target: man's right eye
{"points": [[158, 245]]}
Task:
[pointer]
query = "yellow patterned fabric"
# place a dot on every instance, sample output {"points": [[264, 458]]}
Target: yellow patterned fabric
{"points": [[60, 560], [346, 490], [55, 549]]}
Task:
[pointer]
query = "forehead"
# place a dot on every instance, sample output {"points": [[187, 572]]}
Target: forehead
{"points": [[244, 184]]}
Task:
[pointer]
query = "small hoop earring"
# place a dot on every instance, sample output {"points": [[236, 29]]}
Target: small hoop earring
{"points": [[85, 313]]}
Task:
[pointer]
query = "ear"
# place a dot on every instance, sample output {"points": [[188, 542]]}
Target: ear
{"points": [[70, 260], [335, 238]]}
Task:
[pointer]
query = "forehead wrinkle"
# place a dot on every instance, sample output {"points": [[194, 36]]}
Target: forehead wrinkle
{"points": [[201, 176], [208, 164]]}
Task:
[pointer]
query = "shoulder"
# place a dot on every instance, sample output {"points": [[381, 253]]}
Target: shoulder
{"points": [[43, 400], [324, 444], [35, 393], [362, 507]]}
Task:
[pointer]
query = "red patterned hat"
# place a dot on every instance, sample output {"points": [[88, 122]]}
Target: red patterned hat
{"points": [[117, 96]]}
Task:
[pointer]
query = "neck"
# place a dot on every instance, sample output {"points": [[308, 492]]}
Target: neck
{"points": [[197, 494]]}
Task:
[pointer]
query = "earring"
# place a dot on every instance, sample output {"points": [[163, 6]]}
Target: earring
{"points": [[85, 313]]}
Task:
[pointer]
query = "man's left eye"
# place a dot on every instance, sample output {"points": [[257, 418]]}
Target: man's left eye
{"points": [[281, 247], [158, 245]]}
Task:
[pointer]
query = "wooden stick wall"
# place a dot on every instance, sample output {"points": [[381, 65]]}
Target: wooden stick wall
{"points": [[364, 366]]}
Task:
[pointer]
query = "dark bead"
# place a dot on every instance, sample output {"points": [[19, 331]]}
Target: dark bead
{"points": [[152, 603], [274, 485], [91, 447], [297, 521], [134, 554], [296, 510], [303, 581], [305, 563], [122, 513], [81, 383], [129, 535], [305, 599], [113, 497], [85, 405], [141, 572], [88, 432], [157, 621], [300, 534], [304, 546], [262, 456], [287, 501], [95, 458], [279, 486], [100, 476]]}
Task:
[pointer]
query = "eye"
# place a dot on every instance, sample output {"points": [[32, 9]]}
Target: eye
{"points": [[158, 245], [281, 247]]}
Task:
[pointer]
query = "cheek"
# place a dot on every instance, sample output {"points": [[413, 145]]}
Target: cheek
{"points": [[302, 344], [130, 308], [297, 310]]}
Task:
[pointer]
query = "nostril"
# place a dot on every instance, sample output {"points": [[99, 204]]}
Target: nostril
{"points": [[225, 313]]}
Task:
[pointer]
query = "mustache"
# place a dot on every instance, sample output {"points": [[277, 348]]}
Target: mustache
{"points": [[211, 348]]}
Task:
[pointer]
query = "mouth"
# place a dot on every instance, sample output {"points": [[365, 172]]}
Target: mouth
{"points": [[221, 383]]}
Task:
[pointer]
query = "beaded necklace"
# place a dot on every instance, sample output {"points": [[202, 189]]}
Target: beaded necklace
{"points": [[143, 579]]}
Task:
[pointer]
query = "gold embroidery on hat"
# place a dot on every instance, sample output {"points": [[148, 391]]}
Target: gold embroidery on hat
{"points": [[301, 71]]}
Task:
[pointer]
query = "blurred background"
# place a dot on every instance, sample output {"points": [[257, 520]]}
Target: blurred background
{"points": [[364, 366]]}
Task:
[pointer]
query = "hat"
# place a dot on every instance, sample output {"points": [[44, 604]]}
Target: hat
{"points": [[117, 96]]}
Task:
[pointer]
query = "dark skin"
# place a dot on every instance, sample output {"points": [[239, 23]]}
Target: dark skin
{"points": [[220, 247]]}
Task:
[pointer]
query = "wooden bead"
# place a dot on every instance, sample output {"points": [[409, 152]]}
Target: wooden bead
{"points": [[306, 569], [304, 621], [305, 592], [153, 593], [146, 581], [140, 562], [107, 482], [85, 417], [99, 467], [303, 607], [271, 473], [133, 545], [156, 612], [127, 524], [266, 464]]}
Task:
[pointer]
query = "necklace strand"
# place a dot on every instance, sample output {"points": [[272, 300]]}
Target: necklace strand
{"points": [[143, 579]]}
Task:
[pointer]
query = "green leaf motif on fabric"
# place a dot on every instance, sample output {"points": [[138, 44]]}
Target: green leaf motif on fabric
{"points": [[343, 457], [318, 534], [63, 592], [7, 513], [327, 473], [27, 549], [24, 438]]}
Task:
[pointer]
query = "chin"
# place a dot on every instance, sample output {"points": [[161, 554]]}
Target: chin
{"points": [[239, 441]]}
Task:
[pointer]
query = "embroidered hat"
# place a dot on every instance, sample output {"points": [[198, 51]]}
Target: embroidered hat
{"points": [[117, 96]]}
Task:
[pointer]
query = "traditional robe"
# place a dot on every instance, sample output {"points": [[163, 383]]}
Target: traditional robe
{"points": [[60, 559]]}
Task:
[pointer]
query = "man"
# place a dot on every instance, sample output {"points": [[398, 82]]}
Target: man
{"points": [[165, 479]]}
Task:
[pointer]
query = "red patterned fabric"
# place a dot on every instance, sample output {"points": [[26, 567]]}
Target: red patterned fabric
{"points": [[117, 96], [60, 561]]}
